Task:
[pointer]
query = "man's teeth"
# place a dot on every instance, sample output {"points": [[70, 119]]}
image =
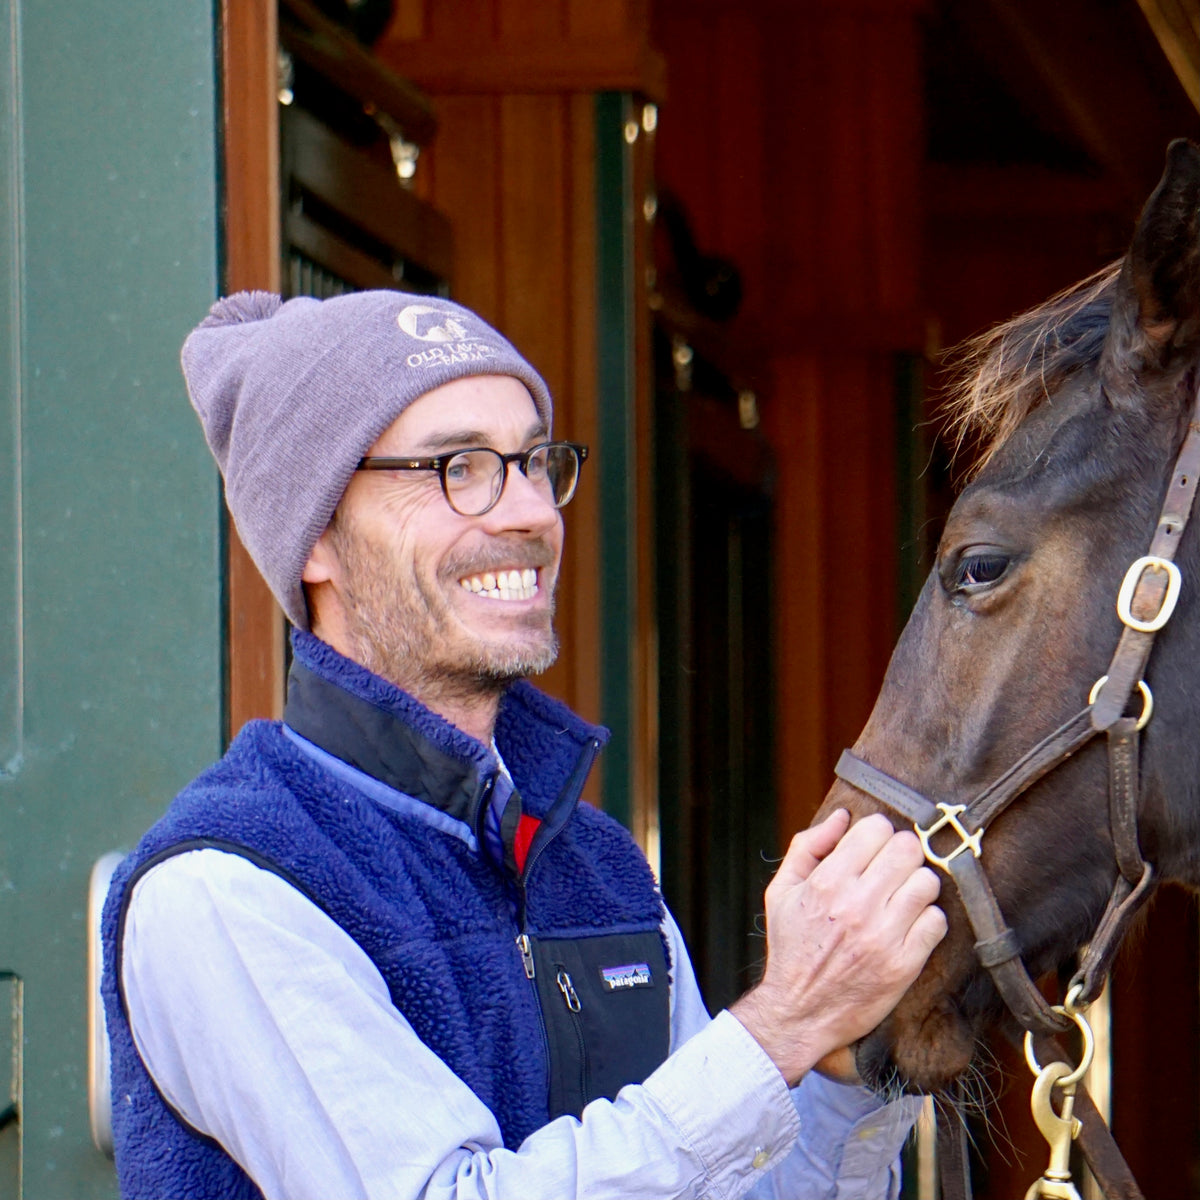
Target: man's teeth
{"points": [[503, 585]]}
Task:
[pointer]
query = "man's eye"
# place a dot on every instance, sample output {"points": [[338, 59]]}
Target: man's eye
{"points": [[977, 571], [459, 470]]}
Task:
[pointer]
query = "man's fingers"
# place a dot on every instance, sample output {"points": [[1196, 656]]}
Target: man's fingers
{"points": [[920, 924], [810, 846], [858, 849], [925, 932], [916, 891]]}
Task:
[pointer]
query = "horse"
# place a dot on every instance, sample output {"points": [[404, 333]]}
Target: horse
{"points": [[1081, 409]]}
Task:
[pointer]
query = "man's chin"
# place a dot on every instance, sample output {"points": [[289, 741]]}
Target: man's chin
{"points": [[504, 669], [515, 650]]}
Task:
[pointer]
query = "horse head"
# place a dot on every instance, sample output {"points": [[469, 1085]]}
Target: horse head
{"points": [[1081, 407]]}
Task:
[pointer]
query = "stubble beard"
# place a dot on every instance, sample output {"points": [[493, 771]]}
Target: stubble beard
{"points": [[397, 625]]}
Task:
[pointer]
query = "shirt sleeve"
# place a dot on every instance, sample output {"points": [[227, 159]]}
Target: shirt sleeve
{"points": [[269, 1029], [849, 1142]]}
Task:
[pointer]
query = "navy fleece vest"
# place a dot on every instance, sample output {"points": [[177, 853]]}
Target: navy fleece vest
{"points": [[436, 917]]}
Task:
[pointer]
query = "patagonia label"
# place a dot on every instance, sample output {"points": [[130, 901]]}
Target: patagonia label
{"points": [[621, 979]]}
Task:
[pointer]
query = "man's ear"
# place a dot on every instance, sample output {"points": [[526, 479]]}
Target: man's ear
{"points": [[321, 562], [318, 580]]}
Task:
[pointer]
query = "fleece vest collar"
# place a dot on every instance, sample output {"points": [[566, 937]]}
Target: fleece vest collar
{"points": [[378, 742], [540, 739], [362, 720]]}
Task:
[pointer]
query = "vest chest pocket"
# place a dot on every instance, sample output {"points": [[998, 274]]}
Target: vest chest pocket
{"points": [[606, 1006]]}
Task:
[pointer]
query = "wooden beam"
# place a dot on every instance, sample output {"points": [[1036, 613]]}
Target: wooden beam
{"points": [[1176, 24], [1114, 92], [621, 65], [312, 37]]}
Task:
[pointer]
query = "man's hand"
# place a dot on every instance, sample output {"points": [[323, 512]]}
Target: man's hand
{"points": [[850, 922]]}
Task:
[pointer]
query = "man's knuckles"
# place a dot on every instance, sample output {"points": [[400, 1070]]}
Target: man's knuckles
{"points": [[902, 852]]}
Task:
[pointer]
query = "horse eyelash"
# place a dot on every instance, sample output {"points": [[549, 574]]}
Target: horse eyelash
{"points": [[962, 579]]}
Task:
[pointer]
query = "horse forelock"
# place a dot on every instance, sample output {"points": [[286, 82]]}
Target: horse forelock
{"points": [[1001, 376]]}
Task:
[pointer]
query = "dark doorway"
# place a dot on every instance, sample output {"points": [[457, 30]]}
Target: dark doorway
{"points": [[717, 792]]}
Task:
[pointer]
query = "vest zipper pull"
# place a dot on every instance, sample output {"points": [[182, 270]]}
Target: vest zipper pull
{"points": [[568, 990], [526, 954]]}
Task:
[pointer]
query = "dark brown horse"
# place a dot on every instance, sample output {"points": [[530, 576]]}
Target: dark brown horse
{"points": [[1081, 407]]}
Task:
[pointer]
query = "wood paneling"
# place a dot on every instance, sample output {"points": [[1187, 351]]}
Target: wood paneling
{"points": [[514, 169], [576, 412], [793, 135], [515, 174], [459, 47], [255, 639]]}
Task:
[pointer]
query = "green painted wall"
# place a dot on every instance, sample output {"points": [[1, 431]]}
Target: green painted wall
{"points": [[110, 635]]}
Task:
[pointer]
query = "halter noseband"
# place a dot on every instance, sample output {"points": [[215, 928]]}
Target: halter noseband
{"points": [[1145, 603]]}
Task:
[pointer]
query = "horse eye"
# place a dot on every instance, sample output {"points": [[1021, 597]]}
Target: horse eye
{"points": [[976, 571]]}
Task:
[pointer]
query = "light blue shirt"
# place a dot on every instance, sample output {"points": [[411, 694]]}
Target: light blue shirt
{"points": [[268, 1028]]}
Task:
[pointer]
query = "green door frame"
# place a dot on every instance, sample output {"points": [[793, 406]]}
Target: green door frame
{"points": [[615, 464]]}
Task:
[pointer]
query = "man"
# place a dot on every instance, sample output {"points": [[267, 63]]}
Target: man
{"points": [[380, 949]]}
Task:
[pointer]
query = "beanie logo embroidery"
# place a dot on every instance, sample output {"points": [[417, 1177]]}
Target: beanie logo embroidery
{"points": [[456, 353], [454, 345], [450, 329]]}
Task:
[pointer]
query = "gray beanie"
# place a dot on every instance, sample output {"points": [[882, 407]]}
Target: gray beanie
{"points": [[292, 395]]}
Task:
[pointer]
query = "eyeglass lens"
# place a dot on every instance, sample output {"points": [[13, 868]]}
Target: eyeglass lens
{"points": [[474, 479]]}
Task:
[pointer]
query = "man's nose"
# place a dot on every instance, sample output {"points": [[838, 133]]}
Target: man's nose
{"points": [[524, 503]]}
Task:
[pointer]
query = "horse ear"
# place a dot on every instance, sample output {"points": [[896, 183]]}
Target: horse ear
{"points": [[1156, 310]]}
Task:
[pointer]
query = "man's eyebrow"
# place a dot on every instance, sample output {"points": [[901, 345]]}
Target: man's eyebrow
{"points": [[459, 439]]}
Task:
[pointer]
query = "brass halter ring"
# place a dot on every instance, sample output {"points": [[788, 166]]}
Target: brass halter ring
{"points": [[1147, 699], [1068, 1009]]}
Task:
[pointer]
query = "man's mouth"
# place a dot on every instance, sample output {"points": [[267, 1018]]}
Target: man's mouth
{"points": [[513, 584]]}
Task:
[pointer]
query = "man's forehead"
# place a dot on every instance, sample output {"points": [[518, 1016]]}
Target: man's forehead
{"points": [[477, 410]]}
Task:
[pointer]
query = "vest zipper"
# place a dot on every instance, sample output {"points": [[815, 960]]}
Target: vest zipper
{"points": [[562, 808], [571, 998], [526, 955], [525, 947], [556, 821]]}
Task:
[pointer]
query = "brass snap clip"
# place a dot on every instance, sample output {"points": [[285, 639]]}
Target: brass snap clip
{"points": [[1060, 1128]]}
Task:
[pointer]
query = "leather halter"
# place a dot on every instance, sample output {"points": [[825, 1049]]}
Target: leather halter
{"points": [[1145, 603]]}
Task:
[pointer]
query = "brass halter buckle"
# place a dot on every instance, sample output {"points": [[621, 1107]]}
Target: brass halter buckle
{"points": [[1151, 562], [968, 841]]}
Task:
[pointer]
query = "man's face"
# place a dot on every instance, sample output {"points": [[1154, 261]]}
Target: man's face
{"points": [[405, 578]]}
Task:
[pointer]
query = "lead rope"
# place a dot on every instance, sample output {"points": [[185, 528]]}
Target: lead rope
{"points": [[954, 1166]]}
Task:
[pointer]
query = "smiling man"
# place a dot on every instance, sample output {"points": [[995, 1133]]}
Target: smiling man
{"points": [[457, 609], [380, 949]]}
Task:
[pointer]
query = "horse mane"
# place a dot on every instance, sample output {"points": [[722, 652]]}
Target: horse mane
{"points": [[999, 377]]}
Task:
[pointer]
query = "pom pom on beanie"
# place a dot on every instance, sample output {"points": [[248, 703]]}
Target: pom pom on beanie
{"points": [[291, 396], [242, 307]]}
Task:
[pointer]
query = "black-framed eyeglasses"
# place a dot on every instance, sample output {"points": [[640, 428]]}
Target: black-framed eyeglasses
{"points": [[473, 480]]}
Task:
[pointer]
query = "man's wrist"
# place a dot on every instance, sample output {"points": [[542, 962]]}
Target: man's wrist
{"points": [[782, 1042]]}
